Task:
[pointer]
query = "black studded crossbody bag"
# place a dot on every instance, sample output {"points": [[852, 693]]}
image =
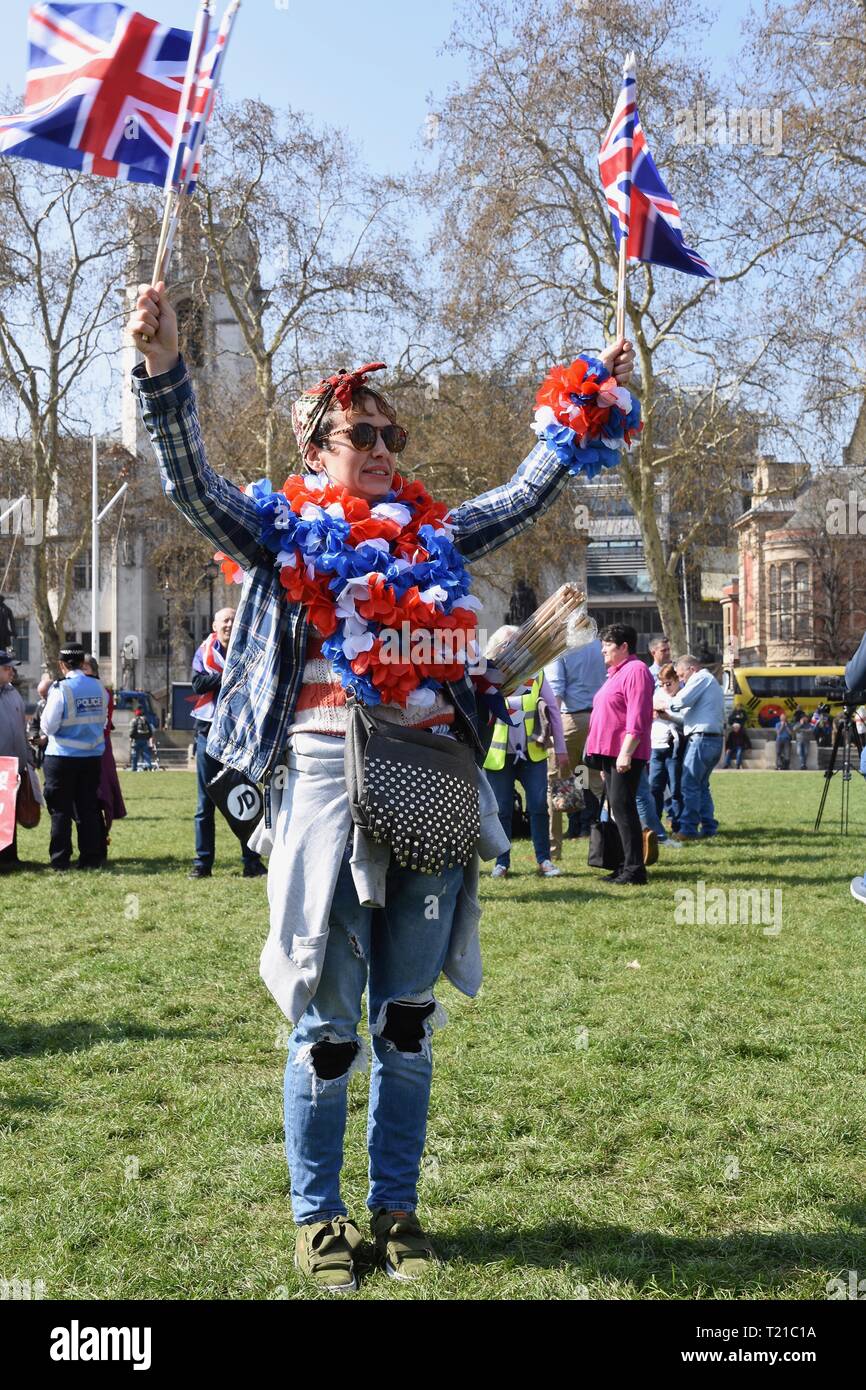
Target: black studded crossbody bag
{"points": [[412, 790]]}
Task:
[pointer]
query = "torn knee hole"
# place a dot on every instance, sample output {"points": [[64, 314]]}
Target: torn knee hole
{"points": [[404, 1024], [332, 1059]]}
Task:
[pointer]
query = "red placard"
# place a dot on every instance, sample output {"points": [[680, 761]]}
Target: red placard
{"points": [[9, 780]]}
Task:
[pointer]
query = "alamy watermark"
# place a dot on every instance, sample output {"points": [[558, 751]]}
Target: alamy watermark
{"points": [[852, 1286], [408, 646], [846, 516], [729, 125], [704, 906], [15, 1290]]}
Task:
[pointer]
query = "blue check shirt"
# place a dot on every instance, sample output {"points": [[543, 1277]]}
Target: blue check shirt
{"points": [[265, 660]]}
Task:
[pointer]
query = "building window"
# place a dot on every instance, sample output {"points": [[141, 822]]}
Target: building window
{"points": [[69, 637], [105, 644], [21, 645], [82, 576], [786, 602], [774, 603], [802, 601]]}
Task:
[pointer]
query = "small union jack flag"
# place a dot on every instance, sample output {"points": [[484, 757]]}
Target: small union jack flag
{"points": [[103, 92], [641, 208]]}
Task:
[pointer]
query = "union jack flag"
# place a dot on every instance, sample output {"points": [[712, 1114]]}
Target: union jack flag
{"points": [[641, 208], [103, 92]]}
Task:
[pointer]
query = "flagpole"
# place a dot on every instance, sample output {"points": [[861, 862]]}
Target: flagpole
{"points": [[628, 70], [620, 287], [188, 97], [194, 149], [188, 94]]}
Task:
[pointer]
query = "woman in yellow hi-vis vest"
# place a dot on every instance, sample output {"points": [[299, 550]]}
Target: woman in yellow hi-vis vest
{"points": [[516, 755]]}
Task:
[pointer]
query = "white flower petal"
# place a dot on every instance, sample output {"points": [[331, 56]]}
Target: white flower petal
{"points": [[435, 594], [422, 697], [357, 643], [393, 511], [311, 512]]}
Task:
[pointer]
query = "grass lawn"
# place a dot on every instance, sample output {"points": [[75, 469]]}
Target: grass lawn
{"points": [[692, 1128]]}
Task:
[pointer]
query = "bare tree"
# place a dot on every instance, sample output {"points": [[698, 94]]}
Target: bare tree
{"points": [[63, 238], [531, 263], [308, 252], [805, 61]]}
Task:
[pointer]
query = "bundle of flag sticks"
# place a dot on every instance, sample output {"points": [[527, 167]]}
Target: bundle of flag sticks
{"points": [[560, 623], [196, 108]]}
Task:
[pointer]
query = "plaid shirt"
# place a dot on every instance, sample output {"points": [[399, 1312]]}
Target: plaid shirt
{"points": [[265, 660]]}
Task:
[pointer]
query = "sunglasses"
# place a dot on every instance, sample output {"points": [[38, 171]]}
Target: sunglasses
{"points": [[362, 436]]}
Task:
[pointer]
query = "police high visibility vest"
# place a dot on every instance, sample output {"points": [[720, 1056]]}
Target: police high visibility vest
{"points": [[85, 710], [495, 760]]}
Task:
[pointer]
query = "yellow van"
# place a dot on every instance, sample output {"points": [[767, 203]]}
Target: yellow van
{"points": [[765, 692]]}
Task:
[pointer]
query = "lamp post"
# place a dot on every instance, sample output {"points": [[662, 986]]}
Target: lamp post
{"points": [[96, 519], [167, 653]]}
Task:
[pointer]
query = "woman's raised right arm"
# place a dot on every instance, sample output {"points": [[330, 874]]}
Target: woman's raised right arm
{"points": [[219, 509]]}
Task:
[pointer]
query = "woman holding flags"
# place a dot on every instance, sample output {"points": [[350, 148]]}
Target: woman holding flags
{"points": [[349, 551]]}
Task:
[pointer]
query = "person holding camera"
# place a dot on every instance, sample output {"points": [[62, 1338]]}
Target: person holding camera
{"points": [[783, 744]]}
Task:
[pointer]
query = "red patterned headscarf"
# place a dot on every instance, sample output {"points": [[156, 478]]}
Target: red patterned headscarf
{"points": [[311, 408]]}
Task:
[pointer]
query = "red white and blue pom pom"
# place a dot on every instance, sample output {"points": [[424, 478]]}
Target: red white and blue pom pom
{"points": [[585, 417]]}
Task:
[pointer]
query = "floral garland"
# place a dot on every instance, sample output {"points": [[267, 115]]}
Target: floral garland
{"points": [[584, 417], [359, 569]]}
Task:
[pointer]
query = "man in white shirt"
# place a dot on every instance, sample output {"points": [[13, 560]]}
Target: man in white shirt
{"points": [[702, 705]]}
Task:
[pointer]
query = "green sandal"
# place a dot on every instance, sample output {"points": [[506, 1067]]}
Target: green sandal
{"points": [[326, 1250], [401, 1244]]}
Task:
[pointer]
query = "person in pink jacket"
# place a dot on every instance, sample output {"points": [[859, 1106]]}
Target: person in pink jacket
{"points": [[618, 741]]}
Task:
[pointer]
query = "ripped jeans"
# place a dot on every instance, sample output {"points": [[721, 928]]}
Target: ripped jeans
{"points": [[402, 947]]}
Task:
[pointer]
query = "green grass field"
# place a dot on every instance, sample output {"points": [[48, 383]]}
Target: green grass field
{"points": [[692, 1128]]}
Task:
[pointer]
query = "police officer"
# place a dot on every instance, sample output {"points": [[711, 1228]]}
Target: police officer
{"points": [[74, 720]]}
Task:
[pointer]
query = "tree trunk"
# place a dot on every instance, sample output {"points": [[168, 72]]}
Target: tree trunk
{"points": [[639, 484]]}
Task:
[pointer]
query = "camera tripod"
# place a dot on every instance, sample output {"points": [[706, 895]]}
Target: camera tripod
{"points": [[844, 736]]}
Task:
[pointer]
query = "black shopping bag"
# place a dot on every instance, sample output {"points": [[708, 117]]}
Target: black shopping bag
{"points": [[605, 846]]}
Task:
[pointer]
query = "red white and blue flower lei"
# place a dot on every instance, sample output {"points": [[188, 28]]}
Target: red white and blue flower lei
{"points": [[359, 569], [584, 417]]}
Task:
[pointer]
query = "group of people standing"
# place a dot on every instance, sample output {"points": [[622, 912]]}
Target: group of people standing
{"points": [[649, 738], [69, 738]]}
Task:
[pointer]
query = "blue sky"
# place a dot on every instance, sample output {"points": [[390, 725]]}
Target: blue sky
{"points": [[367, 69]]}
